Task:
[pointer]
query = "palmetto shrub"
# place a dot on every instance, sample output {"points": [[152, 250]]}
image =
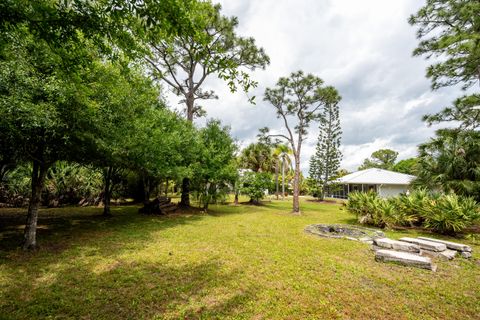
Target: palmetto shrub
{"points": [[409, 207], [367, 207], [69, 182], [450, 213], [66, 183], [440, 213], [389, 214]]}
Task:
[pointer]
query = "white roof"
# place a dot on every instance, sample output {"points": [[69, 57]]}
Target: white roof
{"points": [[376, 176]]}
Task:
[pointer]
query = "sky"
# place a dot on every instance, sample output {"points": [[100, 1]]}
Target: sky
{"points": [[362, 48]]}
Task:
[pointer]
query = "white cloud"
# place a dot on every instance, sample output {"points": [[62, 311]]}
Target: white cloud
{"points": [[363, 48]]}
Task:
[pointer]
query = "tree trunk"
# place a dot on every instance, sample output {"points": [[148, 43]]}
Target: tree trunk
{"points": [[324, 185], [236, 198], [108, 191], [185, 198], [190, 102], [146, 189], [296, 185], [38, 180], [166, 187], [283, 179], [3, 171], [206, 200], [276, 178]]}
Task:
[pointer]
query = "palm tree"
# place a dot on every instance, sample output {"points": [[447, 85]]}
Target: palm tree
{"points": [[257, 157], [450, 162], [284, 157]]}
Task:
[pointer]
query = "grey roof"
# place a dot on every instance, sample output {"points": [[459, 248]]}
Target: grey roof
{"points": [[376, 176]]}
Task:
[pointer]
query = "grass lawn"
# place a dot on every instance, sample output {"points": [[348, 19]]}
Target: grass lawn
{"points": [[240, 262]]}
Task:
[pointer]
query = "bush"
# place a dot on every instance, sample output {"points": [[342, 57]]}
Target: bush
{"points": [[440, 213], [366, 206], [450, 214], [408, 208], [254, 185], [66, 183]]}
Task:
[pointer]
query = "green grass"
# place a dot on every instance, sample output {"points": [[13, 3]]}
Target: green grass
{"points": [[240, 262]]}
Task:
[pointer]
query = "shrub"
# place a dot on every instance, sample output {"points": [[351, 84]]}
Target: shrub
{"points": [[409, 207], [440, 213], [66, 183], [254, 185], [366, 206], [450, 214]]}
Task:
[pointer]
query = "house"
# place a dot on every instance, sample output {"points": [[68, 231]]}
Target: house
{"points": [[384, 182]]}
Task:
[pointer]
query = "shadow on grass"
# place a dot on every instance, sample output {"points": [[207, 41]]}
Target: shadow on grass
{"points": [[57, 228], [133, 290], [92, 267]]}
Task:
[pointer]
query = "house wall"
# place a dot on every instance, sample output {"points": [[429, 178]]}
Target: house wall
{"points": [[386, 191]]}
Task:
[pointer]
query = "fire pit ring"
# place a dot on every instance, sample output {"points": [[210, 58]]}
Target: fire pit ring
{"points": [[344, 231]]}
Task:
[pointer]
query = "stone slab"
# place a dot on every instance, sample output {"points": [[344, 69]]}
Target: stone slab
{"points": [[425, 244], [466, 255], [444, 255], [405, 258], [396, 245], [450, 245], [448, 254], [429, 253]]}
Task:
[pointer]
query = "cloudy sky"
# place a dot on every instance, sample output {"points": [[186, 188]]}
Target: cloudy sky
{"points": [[363, 48]]}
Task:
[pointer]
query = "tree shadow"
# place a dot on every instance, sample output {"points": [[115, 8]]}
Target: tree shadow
{"points": [[93, 267], [128, 290], [58, 227]]}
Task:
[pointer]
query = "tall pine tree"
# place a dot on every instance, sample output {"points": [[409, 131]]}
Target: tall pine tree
{"points": [[326, 160]]}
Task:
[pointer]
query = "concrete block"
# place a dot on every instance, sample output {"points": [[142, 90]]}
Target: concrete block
{"points": [[425, 244], [405, 258]]}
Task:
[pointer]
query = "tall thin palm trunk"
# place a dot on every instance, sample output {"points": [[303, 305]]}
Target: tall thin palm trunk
{"points": [[276, 177], [283, 179]]}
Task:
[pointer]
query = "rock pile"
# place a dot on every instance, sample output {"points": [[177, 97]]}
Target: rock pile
{"points": [[417, 252]]}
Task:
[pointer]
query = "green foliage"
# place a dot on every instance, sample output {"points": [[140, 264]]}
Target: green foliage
{"points": [[215, 170], [407, 166], [450, 162], [366, 206], [65, 183], [382, 159], [313, 188], [451, 213], [409, 208], [448, 32], [70, 182], [464, 112], [258, 157], [440, 213], [254, 185], [17, 185], [299, 100], [185, 61]]}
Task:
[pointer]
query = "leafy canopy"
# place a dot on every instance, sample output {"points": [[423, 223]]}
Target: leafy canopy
{"points": [[185, 61], [382, 159], [449, 33]]}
